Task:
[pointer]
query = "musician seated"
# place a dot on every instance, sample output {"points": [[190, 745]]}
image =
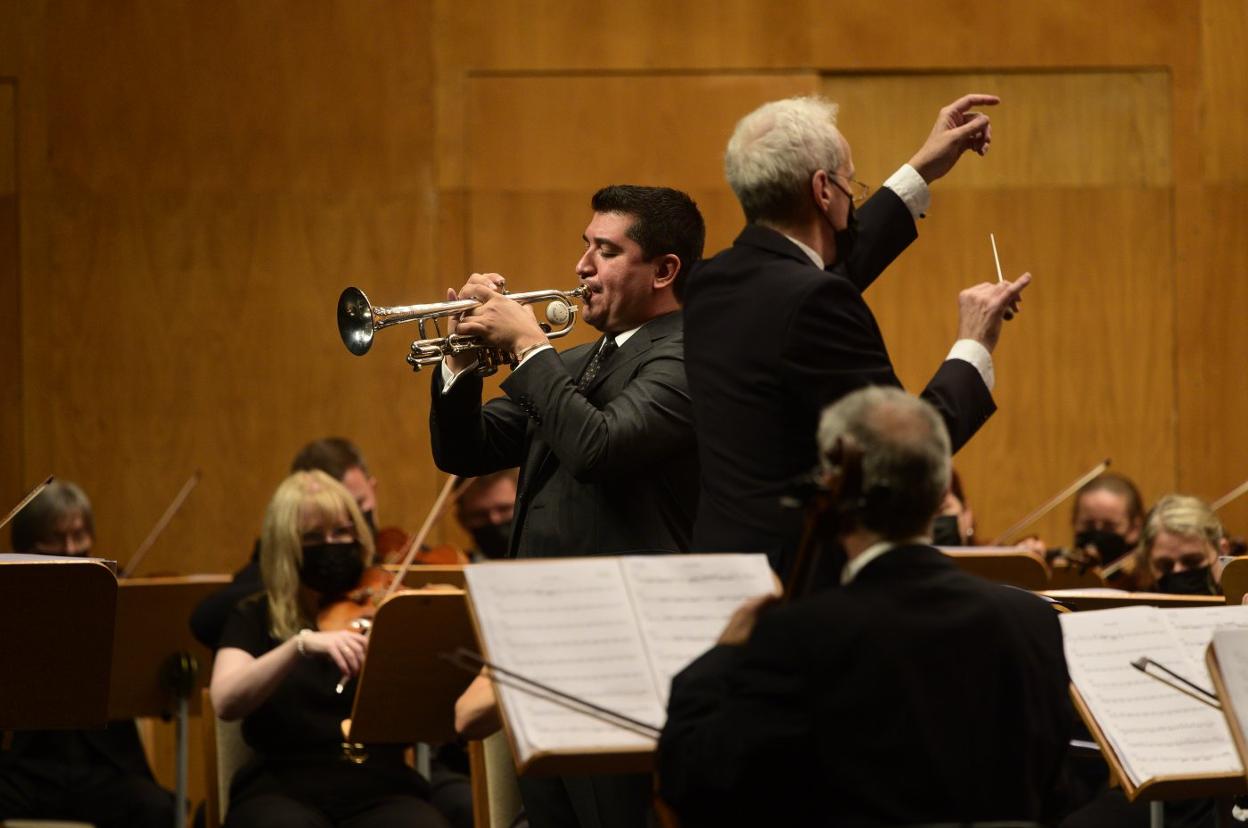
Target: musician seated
{"points": [[914, 694], [340, 459], [485, 510], [279, 675], [1180, 546], [955, 522], [1105, 521], [97, 776]]}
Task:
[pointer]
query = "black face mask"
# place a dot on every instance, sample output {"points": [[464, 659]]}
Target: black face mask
{"points": [[492, 539], [945, 531], [1189, 582], [847, 238], [1110, 545], [332, 568]]}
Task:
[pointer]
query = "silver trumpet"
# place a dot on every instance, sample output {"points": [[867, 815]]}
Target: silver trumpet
{"points": [[359, 319]]}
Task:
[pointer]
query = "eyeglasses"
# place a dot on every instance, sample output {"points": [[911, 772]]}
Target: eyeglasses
{"points": [[857, 191]]}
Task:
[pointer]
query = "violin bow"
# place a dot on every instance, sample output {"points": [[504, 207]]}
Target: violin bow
{"points": [[170, 512], [448, 495], [1049, 505], [31, 495], [1229, 496]]}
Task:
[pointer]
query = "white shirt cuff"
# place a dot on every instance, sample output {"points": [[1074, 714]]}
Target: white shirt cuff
{"points": [[911, 189], [531, 352], [449, 376], [968, 350]]}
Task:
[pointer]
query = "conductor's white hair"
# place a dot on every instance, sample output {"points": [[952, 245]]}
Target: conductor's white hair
{"points": [[775, 150], [905, 449]]}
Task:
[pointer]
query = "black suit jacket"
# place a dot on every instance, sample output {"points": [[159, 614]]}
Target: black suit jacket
{"points": [[608, 472], [918, 693], [770, 340]]}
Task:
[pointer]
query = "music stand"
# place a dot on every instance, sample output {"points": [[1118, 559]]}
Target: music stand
{"points": [[57, 615], [407, 691], [159, 667]]}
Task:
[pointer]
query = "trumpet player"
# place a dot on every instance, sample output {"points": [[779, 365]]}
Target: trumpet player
{"points": [[602, 433]]}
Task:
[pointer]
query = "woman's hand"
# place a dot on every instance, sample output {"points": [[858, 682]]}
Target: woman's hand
{"points": [[346, 648]]}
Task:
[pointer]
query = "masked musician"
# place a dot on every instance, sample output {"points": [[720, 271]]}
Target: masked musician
{"points": [[485, 510], [340, 459], [776, 326], [916, 694], [279, 675], [602, 433], [98, 776], [1179, 547]]}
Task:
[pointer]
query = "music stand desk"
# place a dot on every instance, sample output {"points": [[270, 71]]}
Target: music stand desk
{"points": [[57, 614], [407, 691], [159, 669]]}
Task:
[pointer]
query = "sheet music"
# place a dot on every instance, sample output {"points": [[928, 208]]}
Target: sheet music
{"points": [[1154, 729], [1231, 649], [568, 624], [682, 603], [1196, 626]]}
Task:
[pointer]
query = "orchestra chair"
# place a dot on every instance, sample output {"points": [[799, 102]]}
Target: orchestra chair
{"points": [[1235, 581], [225, 753], [1070, 577], [495, 789], [1001, 564]]}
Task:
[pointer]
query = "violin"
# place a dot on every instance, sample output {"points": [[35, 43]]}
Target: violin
{"points": [[355, 609], [391, 543]]}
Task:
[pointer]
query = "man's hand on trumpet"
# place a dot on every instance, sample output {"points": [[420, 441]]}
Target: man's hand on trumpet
{"points": [[499, 321]]}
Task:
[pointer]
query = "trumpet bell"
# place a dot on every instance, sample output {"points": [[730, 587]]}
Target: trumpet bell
{"points": [[355, 321]]}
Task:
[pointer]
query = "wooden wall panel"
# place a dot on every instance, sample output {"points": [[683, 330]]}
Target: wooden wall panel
{"points": [[1083, 202], [11, 472], [244, 163], [1224, 92], [1212, 295], [756, 34]]}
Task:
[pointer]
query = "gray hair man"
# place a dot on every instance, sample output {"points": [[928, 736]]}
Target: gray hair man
{"points": [[812, 245], [914, 694]]}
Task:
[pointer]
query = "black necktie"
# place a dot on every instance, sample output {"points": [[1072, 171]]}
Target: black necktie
{"points": [[595, 364]]}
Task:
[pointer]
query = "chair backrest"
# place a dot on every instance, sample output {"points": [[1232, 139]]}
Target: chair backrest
{"points": [[225, 752], [1072, 577], [1235, 580], [495, 789], [1005, 565]]}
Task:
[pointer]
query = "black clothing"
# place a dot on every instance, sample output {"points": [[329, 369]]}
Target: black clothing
{"points": [[96, 776], [770, 341], [209, 617], [608, 466], [917, 693], [297, 736], [605, 472]]}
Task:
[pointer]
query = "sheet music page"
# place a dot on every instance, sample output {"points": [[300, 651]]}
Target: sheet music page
{"points": [[1196, 625], [1231, 649], [567, 624], [683, 602], [1154, 729]]}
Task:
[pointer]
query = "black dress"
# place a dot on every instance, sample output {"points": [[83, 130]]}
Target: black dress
{"points": [[301, 774]]}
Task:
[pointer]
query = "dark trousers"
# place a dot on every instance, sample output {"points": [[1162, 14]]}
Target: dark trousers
{"points": [[620, 801], [331, 793], [86, 792]]}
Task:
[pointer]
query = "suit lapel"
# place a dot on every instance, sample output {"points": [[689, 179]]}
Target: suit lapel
{"points": [[637, 345]]}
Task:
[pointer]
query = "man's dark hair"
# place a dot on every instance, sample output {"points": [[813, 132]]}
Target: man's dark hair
{"points": [[333, 455], [38, 521], [1113, 483], [665, 220]]}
